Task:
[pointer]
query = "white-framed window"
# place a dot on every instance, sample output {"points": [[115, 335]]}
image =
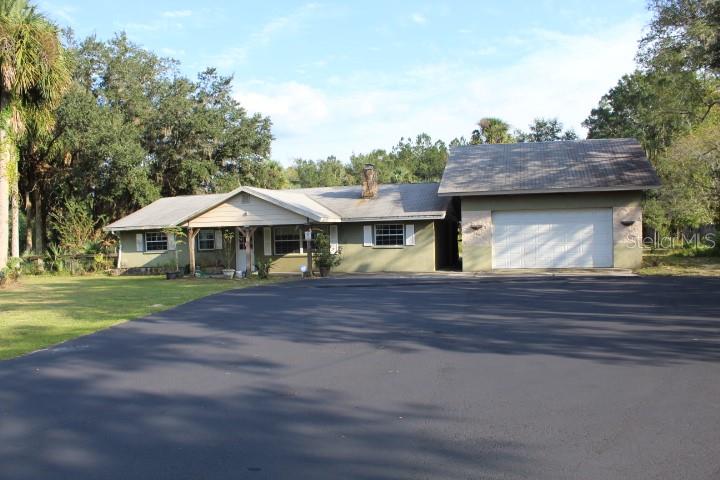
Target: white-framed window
{"points": [[156, 242], [389, 234], [206, 240], [291, 239], [287, 240]]}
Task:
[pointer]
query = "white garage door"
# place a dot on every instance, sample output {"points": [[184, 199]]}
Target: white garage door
{"points": [[552, 238]]}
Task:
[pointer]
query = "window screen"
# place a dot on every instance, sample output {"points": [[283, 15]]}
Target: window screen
{"points": [[206, 240], [390, 234], [287, 240], [155, 241]]}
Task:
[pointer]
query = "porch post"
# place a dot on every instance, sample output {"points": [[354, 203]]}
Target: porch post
{"points": [[308, 232], [248, 233], [191, 248], [248, 251]]}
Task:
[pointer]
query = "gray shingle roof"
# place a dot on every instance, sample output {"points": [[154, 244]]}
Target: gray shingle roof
{"points": [[394, 201], [328, 204], [576, 166], [166, 212]]}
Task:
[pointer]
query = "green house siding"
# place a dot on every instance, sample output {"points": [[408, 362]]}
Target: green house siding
{"points": [[476, 212], [132, 258], [408, 258], [420, 257], [358, 258]]}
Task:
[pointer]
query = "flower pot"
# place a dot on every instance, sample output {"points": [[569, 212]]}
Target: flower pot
{"points": [[324, 271], [229, 273], [172, 275]]}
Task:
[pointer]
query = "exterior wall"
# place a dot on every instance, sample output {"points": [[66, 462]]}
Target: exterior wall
{"points": [[131, 258], [357, 258], [420, 257], [408, 258], [477, 222], [246, 210]]}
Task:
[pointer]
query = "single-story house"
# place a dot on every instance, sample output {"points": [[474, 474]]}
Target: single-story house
{"points": [[550, 204], [530, 205], [394, 227]]}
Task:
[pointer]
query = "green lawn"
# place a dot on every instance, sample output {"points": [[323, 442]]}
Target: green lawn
{"points": [[674, 264], [45, 310]]}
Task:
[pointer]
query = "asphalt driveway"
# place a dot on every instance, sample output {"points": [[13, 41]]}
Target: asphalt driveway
{"points": [[538, 378]]}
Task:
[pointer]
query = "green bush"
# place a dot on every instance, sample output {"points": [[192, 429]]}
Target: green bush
{"points": [[263, 266], [323, 256], [55, 259]]}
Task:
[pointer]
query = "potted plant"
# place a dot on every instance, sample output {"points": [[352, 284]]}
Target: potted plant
{"points": [[179, 235], [229, 253], [325, 259]]}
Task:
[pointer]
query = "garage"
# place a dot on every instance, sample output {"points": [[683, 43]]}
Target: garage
{"points": [[549, 204], [572, 238]]}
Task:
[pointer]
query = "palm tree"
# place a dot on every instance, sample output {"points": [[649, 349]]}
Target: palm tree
{"points": [[34, 74]]}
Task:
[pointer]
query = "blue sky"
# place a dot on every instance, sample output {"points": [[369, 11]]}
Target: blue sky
{"points": [[343, 77]]}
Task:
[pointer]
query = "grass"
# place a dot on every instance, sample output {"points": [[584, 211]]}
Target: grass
{"points": [[679, 263], [45, 310]]}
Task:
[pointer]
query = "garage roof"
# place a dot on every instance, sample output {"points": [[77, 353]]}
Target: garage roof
{"points": [[545, 167]]}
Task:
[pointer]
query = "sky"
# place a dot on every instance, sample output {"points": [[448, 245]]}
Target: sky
{"points": [[338, 78]]}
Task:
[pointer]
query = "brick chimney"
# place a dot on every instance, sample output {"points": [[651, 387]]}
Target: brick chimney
{"points": [[369, 181]]}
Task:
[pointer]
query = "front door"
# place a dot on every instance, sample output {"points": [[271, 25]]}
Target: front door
{"points": [[240, 255]]}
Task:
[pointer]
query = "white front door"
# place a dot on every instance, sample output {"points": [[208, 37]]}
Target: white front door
{"points": [[552, 238], [240, 255]]}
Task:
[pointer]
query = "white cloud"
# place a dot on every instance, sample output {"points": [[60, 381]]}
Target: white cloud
{"points": [[418, 18], [264, 35], [564, 76], [177, 13], [61, 12]]}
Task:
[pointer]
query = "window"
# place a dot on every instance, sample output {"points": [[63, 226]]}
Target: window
{"points": [[206, 240], [389, 234], [287, 240], [155, 241]]}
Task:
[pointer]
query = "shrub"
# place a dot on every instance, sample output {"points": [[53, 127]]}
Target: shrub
{"points": [[323, 255], [14, 268], [55, 258], [263, 266], [77, 230], [101, 263]]}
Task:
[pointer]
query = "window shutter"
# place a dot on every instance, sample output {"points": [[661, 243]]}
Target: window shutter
{"points": [[218, 240], [410, 234], [333, 238], [367, 236], [171, 241], [139, 242], [267, 241]]}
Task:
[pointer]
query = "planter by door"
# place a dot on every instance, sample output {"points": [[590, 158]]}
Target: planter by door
{"points": [[324, 271], [229, 273]]}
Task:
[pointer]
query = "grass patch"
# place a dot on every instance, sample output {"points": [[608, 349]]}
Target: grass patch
{"points": [[46, 310], [680, 262]]}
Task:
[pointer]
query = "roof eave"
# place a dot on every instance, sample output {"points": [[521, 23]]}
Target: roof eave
{"points": [[385, 218], [477, 193], [110, 228]]}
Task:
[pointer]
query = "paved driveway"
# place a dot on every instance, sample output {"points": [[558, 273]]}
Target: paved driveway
{"points": [[574, 378]]}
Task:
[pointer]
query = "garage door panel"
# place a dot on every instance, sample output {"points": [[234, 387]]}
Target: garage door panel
{"points": [[552, 238]]}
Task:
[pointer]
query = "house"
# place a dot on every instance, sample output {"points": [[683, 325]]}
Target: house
{"points": [[530, 205], [403, 228], [550, 204]]}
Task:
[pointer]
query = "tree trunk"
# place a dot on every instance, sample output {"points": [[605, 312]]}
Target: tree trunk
{"points": [[38, 223], [4, 195], [28, 224], [15, 222]]}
